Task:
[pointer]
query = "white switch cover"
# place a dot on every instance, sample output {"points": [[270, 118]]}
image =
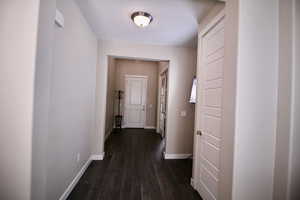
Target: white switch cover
{"points": [[183, 113]]}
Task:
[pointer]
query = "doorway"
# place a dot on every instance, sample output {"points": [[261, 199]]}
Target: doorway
{"points": [[137, 92], [163, 97]]}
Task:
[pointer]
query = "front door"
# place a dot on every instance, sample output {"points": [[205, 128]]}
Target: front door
{"points": [[135, 101], [209, 105]]}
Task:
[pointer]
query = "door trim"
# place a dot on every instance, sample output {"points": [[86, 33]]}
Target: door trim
{"points": [[212, 23], [163, 74], [127, 76]]}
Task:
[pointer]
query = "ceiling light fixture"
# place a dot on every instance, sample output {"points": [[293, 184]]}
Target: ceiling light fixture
{"points": [[141, 19]]}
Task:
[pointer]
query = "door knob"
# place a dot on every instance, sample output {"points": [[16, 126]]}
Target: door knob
{"points": [[199, 132]]}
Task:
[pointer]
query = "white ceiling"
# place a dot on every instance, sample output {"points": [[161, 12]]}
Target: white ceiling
{"points": [[175, 21]]}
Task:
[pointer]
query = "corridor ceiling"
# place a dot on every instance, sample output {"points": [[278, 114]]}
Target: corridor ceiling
{"points": [[175, 21]]}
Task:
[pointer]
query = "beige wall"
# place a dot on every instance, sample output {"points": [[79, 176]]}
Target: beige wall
{"points": [[110, 99], [142, 68], [72, 99], [181, 71], [18, 35]]}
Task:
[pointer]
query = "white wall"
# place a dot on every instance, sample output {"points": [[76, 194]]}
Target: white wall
{"points": [[256, 97], [18, 33], [267, 75], [294, 164], [229, 99], [42, 98], [72, 99], [110, 98], [287, 165], [182, 69], [284, 99]]}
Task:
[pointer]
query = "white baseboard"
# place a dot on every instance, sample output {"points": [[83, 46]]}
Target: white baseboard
{"points": [[177, 156], [149, 127], [107, 134], [192, 183], [69, 189], [97, 156], [145, 127]]}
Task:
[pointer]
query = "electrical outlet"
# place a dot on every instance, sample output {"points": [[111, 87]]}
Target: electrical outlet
{"points": [[78, 157]]}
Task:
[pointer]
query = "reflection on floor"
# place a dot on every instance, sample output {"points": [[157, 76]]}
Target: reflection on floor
{"points": [[134, 169]]}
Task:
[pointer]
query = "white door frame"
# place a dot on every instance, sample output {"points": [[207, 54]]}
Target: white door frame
{"points": [[201, 34], [127, 76], [166, 72], [158, 99]]}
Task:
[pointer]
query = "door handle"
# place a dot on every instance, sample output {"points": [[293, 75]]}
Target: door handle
{"points": [[199, 133], [143, 107]]}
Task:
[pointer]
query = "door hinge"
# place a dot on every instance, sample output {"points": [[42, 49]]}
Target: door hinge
{"points": [[199, 133]]}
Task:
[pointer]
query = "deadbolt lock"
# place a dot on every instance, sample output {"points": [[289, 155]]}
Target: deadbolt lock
{"points": [[199, 133]]}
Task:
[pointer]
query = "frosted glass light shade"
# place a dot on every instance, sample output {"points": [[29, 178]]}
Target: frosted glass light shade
{"points": [[141, 19]]}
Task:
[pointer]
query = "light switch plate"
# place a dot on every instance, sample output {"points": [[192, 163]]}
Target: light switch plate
{"points": [[183, 113]]}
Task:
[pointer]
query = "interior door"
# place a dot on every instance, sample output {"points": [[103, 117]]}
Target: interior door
{"points": [[135, 101], [163, 103], [209, 136]]}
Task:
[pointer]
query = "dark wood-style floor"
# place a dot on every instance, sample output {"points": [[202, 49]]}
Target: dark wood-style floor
{"points": [[133, 169]]}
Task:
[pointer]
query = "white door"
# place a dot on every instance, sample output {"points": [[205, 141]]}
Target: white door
{"points": [[163, 103], [135, 101], [209, 118]]}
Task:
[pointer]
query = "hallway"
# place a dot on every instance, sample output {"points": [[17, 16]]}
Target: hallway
{"points": [[134, 169]]}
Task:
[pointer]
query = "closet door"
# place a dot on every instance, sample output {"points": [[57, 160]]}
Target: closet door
{"points": [[209, 108]]}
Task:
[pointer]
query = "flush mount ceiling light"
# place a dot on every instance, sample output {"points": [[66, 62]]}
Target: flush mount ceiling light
{"points": [[141, 19]]}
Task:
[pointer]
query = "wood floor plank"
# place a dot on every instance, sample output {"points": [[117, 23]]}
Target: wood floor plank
{"points": [[134, 169]]}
